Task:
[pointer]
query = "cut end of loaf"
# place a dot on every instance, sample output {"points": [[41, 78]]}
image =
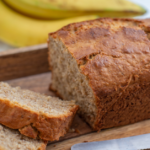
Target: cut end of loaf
{"points": [[68, 81]]}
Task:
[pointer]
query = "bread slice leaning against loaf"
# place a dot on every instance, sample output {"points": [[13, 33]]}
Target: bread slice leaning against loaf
{"points": [[104, 64], [35, 115], [13, 140]]}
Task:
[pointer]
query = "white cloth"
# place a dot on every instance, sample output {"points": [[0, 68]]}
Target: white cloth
{"points": [[130, 143]]}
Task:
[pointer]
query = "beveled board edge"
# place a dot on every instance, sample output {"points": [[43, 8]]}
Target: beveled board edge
{"points": [[138, 128], [23, 62]]}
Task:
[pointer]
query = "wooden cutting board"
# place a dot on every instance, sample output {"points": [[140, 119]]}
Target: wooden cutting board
{"points": [[28, 68]]}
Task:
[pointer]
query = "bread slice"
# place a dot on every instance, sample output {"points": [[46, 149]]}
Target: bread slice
{"points": [[104, 64], [13, 140], [35, 115]]}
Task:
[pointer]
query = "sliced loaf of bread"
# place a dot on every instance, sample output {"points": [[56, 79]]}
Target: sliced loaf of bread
{"points": [[35, 115], [13, 140], [103, 64]]}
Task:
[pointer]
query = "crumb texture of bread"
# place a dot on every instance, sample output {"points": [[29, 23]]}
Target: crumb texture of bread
{"points": [[35, 115], [103, 64], [13, 140]]}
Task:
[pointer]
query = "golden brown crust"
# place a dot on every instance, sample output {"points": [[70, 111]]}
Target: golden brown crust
{"points": [[89, 32], [14, 116], [52, 128], [29, 131], [48, 128], [115, 58]]}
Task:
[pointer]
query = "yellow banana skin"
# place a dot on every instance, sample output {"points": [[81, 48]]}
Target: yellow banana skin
{"points": [[37, 11], [55, 9], [19, 30]]}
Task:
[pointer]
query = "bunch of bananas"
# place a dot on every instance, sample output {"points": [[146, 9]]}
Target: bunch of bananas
{"points": [[28, 22]]}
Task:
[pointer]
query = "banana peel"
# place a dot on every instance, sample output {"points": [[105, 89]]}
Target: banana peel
{"points": [[56, 9], [19, 30]]}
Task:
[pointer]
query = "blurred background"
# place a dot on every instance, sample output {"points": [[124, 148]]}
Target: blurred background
{"points": [[28, 22]]}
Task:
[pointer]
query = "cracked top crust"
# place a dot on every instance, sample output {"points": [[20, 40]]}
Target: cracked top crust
{"points": [[112, 53]]}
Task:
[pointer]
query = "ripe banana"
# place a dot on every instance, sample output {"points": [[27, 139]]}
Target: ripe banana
{"points": [[20, 30], [54, 9]]}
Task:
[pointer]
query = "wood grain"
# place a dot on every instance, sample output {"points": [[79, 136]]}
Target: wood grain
{"points": [[23, 62], [114, 133]]}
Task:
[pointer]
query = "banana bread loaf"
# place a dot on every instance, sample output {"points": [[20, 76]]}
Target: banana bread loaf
{"points": [[13, 140], [104, 64], [35, 115]]}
